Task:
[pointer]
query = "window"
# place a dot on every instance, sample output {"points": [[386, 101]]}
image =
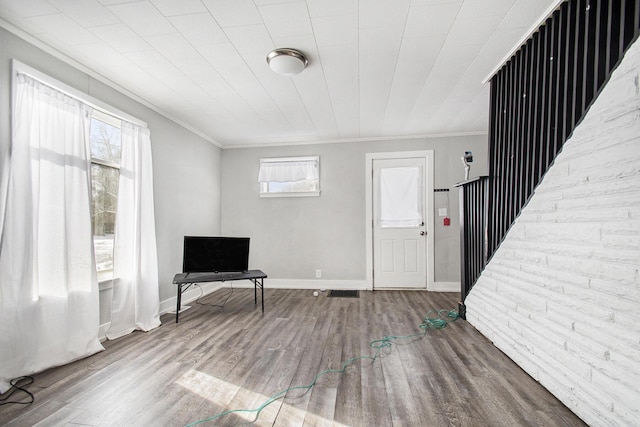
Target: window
{"points": [[289, 177], [105, 145], [76, 159], [400, 197], [106, 142]]}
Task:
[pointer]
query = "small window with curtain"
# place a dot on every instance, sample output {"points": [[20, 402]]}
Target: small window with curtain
{"points": [[289, 177]]}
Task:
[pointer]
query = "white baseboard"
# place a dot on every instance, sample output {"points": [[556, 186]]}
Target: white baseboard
{"points": [[446, 287], [359, 285], [169, 305], [102, 331], [195, 292]]}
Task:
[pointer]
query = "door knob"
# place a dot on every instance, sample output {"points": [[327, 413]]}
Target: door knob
{"points": [[422, 233]]}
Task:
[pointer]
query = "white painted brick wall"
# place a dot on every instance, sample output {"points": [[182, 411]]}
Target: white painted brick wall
{"points": [[561, 296]]}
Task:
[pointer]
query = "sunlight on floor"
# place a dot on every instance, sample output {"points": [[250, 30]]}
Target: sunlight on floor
{"points": [[221, 393]]}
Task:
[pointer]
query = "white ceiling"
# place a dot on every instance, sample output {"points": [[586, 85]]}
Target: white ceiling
{"points": [[378, 68]]}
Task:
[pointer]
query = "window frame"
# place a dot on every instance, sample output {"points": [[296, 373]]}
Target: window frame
{"points": [[117, 123], [112, 121], [269, 194]]}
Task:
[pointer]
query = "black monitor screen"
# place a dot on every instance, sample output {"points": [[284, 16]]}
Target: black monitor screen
{"points": [[215, 254]]}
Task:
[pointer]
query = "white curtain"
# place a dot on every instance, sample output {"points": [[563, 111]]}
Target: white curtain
{"points": [[48, 285], [400, 197], [136, 301], [288, 171]]}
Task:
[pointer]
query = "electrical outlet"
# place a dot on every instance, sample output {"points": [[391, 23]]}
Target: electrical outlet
{"points": [[318, 274]]}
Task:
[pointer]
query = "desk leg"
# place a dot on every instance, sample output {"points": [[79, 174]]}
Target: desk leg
{"points": [[255, 292], [178, 305]]}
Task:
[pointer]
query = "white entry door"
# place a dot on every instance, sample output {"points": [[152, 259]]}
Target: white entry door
{"points": [[399, 231]]}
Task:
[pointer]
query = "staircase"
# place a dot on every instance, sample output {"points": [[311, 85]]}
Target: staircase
{"points": [[537, 99]]}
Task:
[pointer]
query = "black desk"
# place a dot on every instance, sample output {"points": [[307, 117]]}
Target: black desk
{"points": [[185, 280]]}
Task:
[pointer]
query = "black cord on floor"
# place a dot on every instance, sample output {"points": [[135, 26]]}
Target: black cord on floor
{"points": [[214, 305], [15, 386]]}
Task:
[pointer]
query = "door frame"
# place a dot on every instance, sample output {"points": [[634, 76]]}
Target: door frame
{"points": [[429, 220]]}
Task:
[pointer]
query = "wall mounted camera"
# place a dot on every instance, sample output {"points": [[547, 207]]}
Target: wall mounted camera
{"points": [[466, 159]]}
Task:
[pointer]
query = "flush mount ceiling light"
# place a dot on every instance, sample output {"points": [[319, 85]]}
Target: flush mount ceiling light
{"points": [[287, 62]]}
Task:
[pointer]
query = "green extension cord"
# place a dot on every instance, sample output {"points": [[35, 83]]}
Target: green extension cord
{"points": [[440, 321]]}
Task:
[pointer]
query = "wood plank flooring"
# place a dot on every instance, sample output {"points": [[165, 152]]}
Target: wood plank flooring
{"points": [[235, 358]]}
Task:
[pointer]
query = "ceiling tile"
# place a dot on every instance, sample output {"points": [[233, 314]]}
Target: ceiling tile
{"points": [[251, 40], [233, 13], [286, 98], [313, 91], [199, 28], [182, 7], [62, 28], [434, 2], [163, 70], [286, 19], [336, 30], [483, 8], [379, 51], [101, 53], [120, 37], [468, 118], [498, 46], [525, 14], [472, 30], [332, 7], [111, 2], [143, 18], [432, 20], [87, 13], [28, 8], [383, 13], [200, 71], [264, 2], [341, 74], [213, 83], [415, 63], [450, 66], [173, 47], [233, 69], [386, 43]]}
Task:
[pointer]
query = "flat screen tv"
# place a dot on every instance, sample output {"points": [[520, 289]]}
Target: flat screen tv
{"points": [[215, 254]]}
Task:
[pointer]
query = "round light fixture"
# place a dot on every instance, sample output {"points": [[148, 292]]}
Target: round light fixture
{"points": [[287, 62]]}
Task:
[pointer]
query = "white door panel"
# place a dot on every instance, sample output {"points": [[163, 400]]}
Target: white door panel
{"points": [[399, 232], [387, 256], [411, 256]]}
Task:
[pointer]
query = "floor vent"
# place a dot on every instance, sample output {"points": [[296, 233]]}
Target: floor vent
{"points": [[344, 294]]}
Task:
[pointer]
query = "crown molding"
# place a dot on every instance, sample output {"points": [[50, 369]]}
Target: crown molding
{"points": [[344, 140]]}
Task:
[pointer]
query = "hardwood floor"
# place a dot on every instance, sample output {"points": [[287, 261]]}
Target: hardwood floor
{"points": [[220, 359]]}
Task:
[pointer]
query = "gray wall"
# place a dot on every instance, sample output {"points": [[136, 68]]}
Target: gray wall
{"points": [[292, 237], [186, 168]]}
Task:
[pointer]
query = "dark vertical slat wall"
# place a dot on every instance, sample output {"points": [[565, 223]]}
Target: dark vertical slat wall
{"points": [[473, 242], [537, 99]]}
